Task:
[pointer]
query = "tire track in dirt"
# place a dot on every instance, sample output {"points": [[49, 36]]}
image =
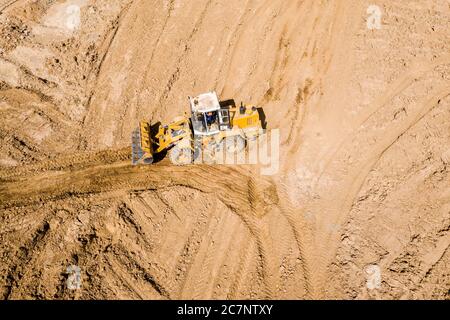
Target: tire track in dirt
{"points": [[67, 162], [292, 273], [325, 41], [132, 217], [187, 48], [263, 38], [443, 202], [170, 9], [19, 221], [135, 238], [124, 278], [140, 281], [212, 255], [230, 264], [301, 232], [190, 251], [229, 51], [343, 205], [27, 254], [201, 257], [346, 202], [110, 78], [8, 5], [236, 201], [259, 231], [80, 178], [154, 273], [241, 44], [413, 74], [286, 46], [243, 267], [160, 241], [185, 243], [293, 216], [35, 252], [105, 48]]}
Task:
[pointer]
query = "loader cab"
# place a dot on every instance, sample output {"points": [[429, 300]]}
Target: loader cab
{"points": [[205, 123], [207, 117]]}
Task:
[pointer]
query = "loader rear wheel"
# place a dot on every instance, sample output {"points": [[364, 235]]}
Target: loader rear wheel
{"points": [[209, 153], [234, 144], [181, 156]]}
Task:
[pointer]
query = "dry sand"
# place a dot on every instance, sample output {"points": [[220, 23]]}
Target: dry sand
{"points": [[359, 209]]}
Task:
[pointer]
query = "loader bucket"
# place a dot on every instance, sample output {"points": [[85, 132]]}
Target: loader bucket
{"points": [[142, 145]]}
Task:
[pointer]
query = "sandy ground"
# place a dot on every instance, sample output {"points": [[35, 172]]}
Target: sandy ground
{"points": [[359, 209]]}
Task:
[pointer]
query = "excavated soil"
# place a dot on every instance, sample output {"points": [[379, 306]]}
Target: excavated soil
{"points": [[360, 206]]}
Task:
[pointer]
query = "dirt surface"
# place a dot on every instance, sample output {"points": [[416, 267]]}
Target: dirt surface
{"points": [[359, 209]]}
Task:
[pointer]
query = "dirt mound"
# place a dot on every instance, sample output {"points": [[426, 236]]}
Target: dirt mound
{"points": [[359, 208]]}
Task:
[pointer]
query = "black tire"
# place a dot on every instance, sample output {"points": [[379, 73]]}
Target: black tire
{"points": [[181, 156], [234, 144], [209, 154]]}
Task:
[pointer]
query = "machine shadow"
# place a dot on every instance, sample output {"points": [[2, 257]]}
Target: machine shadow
{"points": [[262, 117], [227, 104], [153, 131]]}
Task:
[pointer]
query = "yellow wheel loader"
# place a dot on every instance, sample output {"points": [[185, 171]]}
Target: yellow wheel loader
{"points": [[211, 128]]}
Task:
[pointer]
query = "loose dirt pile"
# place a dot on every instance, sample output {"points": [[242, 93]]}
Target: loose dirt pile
{"points": [[360, 207]]}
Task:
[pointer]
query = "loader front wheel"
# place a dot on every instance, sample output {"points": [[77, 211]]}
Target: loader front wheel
{"points": [[181, 156]]}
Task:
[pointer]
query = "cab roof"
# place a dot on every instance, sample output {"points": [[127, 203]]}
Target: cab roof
{"points": [[205, 102]]}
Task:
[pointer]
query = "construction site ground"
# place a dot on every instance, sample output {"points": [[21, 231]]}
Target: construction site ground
{"points": [[364, 168]]}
